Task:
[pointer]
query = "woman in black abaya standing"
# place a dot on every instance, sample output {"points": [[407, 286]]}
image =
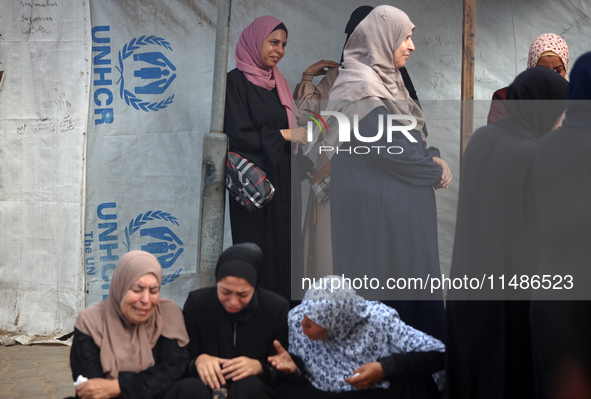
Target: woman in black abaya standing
{"points": [[562, 181], [488, 344], [260, 121]]}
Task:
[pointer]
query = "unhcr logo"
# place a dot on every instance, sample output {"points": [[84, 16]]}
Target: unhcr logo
{"points": [[157, 237], [146, 73], [152, 231]]}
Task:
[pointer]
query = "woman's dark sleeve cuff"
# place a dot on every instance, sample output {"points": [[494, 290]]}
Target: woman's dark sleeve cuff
{"points": [[269, 374], [388, 366], [412, 365], [193, 368]]}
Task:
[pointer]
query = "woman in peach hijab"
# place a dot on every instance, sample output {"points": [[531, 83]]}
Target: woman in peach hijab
{"points": [[134, 343]]}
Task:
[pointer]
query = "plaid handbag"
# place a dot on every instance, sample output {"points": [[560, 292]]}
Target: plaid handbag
{"points": [[320, 182], [247, 183]]}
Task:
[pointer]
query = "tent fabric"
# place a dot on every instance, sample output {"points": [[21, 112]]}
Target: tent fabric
{"points": [[100, 147]]}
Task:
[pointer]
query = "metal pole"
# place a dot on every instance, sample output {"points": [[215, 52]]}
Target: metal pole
{"points": [[213, 193], [468, 44]]}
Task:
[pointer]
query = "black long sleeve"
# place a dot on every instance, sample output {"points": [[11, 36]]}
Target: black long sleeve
{"points": [[85, 357], [412, 365], [211, 332], [170, 358], [253, 118]]}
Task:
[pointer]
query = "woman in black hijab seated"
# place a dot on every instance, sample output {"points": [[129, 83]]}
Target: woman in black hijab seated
{"points": [[232, 327]]}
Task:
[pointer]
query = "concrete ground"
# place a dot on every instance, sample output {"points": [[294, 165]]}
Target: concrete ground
{"points": [[35, 372]]}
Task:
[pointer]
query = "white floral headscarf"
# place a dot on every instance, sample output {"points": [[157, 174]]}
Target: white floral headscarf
{"points": [[548, 42]]}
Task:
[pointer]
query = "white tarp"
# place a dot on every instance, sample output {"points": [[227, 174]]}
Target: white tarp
{"points": [[151, 90], [44, 52], [143, 165]]}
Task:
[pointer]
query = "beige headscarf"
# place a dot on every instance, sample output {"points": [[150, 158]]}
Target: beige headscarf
{"points": [[125, 346], [368, 77]]}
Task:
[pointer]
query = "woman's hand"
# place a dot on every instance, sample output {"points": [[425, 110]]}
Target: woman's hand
{"points": [[282, 361], [366, 375], [319, 68], [241, 367], [98, 388], [298, 135], [445, 173], [210, 370]]}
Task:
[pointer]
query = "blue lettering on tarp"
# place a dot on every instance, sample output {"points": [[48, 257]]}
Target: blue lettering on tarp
{"points": [[103, 115], [88, 239], [105, 269], [102, 81], [97, 39], [100, 91], [110, 227], [101, 215], [107, 233], [106, 115], [99, 59], [90, 266], [109, 248]]}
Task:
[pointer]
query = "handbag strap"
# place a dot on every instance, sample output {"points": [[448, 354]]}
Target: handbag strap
{"points": [[322, 173]]}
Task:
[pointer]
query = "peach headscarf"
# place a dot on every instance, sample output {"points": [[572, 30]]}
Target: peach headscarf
{"points": [[125, 346]]}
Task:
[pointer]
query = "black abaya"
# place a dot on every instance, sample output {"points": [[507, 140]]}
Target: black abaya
{"points": [[562, 181], [162, 380], [253, 119], [249, 333], [488, 345]]}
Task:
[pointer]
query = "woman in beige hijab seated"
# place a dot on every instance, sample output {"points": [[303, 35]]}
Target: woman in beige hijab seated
{"points": [[134, 343]]}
